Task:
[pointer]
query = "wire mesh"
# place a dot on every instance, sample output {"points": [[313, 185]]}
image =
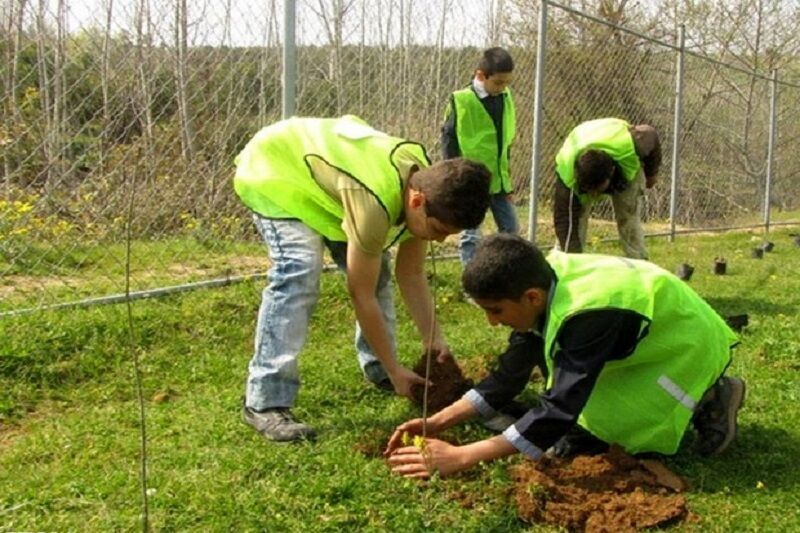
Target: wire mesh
{"points": [[100, 94], [724, 147], [595, 70], [784, 200]]}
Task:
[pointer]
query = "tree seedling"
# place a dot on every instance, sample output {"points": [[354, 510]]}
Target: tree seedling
{"points": [[418, 441]]}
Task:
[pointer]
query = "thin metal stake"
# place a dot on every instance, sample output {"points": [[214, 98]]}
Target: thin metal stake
{"points": [[428, 349], [134, 353]]}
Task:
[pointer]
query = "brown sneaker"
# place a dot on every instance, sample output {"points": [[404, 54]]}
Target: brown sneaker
{"points": [[715, 417]]}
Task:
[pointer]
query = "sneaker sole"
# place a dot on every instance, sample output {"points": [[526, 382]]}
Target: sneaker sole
{"points": [[736, 402]]}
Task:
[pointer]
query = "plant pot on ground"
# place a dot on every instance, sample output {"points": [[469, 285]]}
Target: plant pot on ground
{"points": [[685, 271], [720, 266]]}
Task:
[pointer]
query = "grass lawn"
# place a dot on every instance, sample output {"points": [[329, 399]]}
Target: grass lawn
{"points": [[69, 426]]}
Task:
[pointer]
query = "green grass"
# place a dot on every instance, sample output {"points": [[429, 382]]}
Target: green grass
{"points": [[69, 437]]}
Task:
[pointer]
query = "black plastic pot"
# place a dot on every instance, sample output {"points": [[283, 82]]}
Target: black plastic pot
{"points": [[737, 322], [685, 271], [720, 266]]}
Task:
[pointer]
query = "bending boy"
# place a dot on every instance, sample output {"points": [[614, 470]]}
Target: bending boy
{"points": [[342, 185], [631, 355], [606, 156], [480, 124]]}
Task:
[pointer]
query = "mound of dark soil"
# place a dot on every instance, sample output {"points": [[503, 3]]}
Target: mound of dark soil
{"points": [[609, 492], [448, 383]]}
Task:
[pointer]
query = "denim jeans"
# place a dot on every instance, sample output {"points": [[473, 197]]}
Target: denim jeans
{"points": [[505, 216], [296, 253]]}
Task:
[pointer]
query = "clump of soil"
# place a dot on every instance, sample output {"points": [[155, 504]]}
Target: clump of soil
{"points": [[609, 492], [448, 383]]}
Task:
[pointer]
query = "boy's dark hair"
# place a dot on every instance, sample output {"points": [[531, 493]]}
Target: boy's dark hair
{"points": [[592, 168], [495, 60], [456, 191], [504, 267]]}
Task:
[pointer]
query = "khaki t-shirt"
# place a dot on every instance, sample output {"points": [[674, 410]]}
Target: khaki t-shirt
{"points": [[365, 222]]}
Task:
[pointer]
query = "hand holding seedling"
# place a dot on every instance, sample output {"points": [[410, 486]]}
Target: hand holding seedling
{"points": [[408, 430], [431, 455], [423, 459]]}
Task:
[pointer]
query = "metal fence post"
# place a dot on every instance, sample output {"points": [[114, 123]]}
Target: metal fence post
{"points": [[676, 134], [538, 102], [773, 109], [289, 74]]}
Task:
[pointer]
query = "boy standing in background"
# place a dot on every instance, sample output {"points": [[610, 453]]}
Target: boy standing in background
{"points": [[480, 124]]}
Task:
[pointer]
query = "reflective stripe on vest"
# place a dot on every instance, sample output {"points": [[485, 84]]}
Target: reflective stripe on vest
{"points": [[477, 135], [645, 401]]}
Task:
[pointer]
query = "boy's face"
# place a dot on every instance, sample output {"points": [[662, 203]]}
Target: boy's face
{"points": [[496, 83], [520, 315], [420, 225], [600, 189]]}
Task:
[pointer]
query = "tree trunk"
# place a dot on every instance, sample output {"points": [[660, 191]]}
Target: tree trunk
{"points": [[181, 47], [44, 93], [104, 82], [143, 92], [12, 114]]}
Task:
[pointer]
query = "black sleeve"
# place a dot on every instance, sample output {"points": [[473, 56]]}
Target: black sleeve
{"points": [[450, 147], [652, 161], [561, 217], [513, 371], [587, 341]]}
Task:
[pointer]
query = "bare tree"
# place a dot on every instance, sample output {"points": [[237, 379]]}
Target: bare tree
{"points": [[105, 74], [756, 36], [42, 61], [406, 28], [59, 89], [181, 59], [14, 28], [143, 92], [496, 8], [331, 14], [267, 68]]}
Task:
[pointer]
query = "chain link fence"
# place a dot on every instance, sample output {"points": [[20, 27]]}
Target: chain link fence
{"points": [[124, 118]]}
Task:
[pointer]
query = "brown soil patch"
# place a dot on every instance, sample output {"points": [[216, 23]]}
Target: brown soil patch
{"points": [[611, 492], [20, 285], [448, 383], [372, 442]]}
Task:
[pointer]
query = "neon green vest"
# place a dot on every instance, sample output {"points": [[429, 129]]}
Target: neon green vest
{"points": [[477, 136], [645, 401], [610, 135], [273, 177]]}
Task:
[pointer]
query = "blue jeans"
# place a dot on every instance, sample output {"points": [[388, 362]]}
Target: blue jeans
{"points": [[296, 253], [505, 216]]}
